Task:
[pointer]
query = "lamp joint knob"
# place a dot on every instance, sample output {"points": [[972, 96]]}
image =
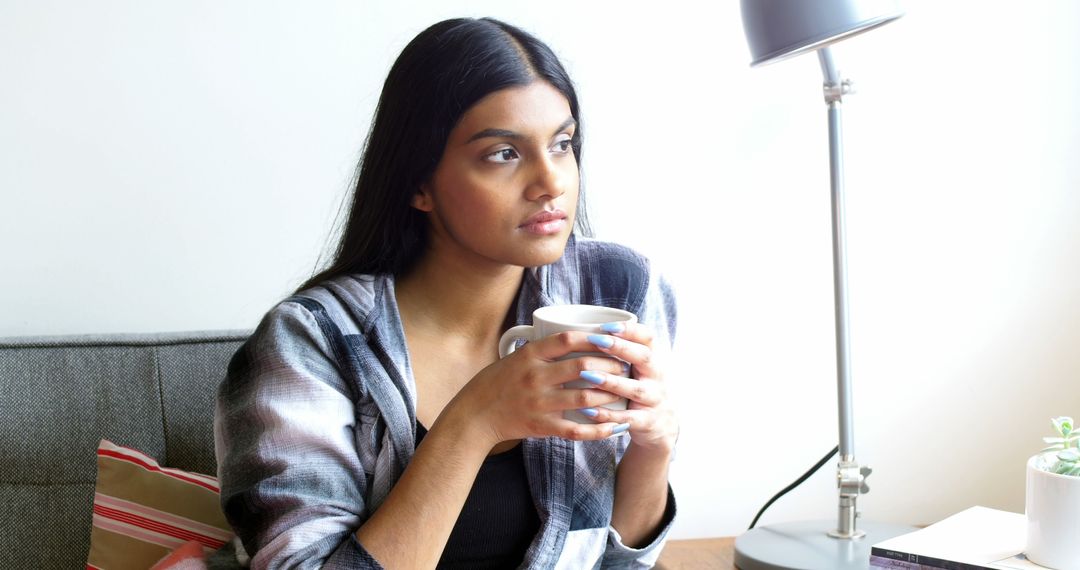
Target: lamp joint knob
{"points": [[835, 92], [851, 478]]}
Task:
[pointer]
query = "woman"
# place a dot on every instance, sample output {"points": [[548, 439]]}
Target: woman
{"points": [[369, 422]]}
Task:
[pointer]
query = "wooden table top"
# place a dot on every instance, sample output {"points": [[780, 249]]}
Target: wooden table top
{"points": [[698, 553]]}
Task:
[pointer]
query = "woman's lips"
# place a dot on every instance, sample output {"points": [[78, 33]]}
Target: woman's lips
{"points": [[545, 223]]}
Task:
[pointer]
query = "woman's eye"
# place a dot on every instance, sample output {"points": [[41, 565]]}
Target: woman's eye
{"points": [[563, 146], [502, 156]]}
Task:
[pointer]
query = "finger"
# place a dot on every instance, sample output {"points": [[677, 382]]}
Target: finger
{"points": [[633, 332], [588, 432], [571, 368], [648, 393], [559, 345], [545, 375], [577, 398], [638, 355], [638, 419]]}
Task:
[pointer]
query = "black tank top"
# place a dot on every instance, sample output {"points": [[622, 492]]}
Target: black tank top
{"points": [[498, 521]]}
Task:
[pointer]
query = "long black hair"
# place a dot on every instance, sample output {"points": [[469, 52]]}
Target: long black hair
{"points": [[444, 71]]}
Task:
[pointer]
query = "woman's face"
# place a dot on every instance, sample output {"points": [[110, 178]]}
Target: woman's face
{"points": [[505, 190]]}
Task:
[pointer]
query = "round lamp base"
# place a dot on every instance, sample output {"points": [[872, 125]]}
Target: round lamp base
{"points": [[808, 546]]}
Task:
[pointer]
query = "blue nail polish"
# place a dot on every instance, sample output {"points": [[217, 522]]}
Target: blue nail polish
{"points": [[594, 377], [590, 412], [602, 341], [613, 327], [620, 428]]}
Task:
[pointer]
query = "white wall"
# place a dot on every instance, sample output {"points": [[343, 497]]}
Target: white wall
{"points": [[177, 166]]}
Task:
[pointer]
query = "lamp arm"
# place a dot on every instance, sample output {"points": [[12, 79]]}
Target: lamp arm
{"points": [[851, 477], [835, 86], [839, 251], [828, 68]]}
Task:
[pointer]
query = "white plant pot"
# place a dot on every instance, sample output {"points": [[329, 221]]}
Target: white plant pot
{"points": [[1053, 518]]}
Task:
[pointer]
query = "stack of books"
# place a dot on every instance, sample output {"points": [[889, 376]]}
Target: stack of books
{"points": [[973, 539]]}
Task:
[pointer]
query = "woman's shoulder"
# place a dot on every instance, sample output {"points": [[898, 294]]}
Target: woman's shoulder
{"points": [[353, 302], [311, 325], [344, 305], [609, 260], [605, 271], [591, 248], [615, 275]]}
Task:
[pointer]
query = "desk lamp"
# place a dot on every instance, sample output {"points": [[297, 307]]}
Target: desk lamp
{"points": [[776, 30]]}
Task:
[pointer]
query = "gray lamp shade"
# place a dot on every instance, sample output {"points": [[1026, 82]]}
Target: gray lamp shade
{"points": [[778, 29]]}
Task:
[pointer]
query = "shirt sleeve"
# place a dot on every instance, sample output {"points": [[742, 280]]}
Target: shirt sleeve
{"points": [[618, 555], [292, 482], [659, 309]]}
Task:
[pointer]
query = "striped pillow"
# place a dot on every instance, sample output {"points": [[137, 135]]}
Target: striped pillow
{"points": [[143, 511]]}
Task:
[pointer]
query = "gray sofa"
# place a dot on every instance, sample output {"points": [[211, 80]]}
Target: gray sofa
{"points": [[60, 395]]}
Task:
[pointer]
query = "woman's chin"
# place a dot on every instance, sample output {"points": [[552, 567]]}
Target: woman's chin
{"points": [[548, 252]]}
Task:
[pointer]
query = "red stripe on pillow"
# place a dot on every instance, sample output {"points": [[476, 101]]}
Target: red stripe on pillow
{"points": [[135, 533], [106, 444], [164, 516], [156, 526]]}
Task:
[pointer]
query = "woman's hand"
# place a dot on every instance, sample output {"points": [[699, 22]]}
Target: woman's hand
{"points": [[522, 395], [653, 425]]}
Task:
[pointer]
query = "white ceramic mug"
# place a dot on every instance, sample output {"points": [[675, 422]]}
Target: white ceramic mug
{"points": [[561, 318]]}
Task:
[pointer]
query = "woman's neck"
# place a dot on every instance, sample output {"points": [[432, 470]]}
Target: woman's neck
{"points": [[452, 298]]}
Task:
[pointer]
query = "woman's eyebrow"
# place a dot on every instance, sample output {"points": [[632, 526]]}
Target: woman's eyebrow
{"points": [[569, 122], [494, 133], [506, 134]]}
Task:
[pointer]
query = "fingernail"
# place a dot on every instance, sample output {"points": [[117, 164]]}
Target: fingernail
{"points": [[594, 377], [591, 412], [613, 327], [602, 341], [620, 428]]}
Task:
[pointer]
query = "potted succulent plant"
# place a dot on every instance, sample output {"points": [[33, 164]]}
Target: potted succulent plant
{"points": [[1053, 500]]}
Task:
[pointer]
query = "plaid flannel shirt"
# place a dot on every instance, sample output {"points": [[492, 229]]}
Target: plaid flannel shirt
{"points": [[315, 421]]}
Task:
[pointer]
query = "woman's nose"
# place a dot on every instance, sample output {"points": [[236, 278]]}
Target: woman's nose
{"points": [[549, 179]]}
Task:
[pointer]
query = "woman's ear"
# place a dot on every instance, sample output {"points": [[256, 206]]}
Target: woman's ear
{"points": [[422, 199]]}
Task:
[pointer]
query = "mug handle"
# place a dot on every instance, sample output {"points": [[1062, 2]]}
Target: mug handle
{"points": [[508, 339]]}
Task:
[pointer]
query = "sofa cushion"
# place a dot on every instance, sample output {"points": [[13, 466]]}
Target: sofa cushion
{"points": [[187, 401], [61, 395]]}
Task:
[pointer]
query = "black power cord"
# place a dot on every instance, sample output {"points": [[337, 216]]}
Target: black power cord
{"points": [[797, 482]]}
